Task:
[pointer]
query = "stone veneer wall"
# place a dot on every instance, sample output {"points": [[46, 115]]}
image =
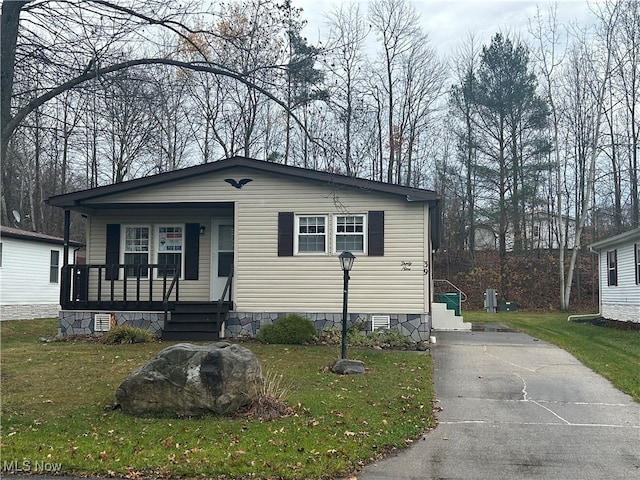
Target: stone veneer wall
{"points": [[73, 322], [413, 326], [28, 311]]}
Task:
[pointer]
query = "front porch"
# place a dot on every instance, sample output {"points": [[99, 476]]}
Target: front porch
{"points": [[142, 295]]}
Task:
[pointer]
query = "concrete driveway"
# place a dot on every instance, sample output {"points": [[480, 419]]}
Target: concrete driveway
{"points": [[514, 407]]}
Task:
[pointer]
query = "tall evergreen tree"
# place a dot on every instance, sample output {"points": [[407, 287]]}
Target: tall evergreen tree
{"points": [[512, 118]]}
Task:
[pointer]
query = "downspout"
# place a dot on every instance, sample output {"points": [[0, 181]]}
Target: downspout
{"points": [[593, 315], [65, 286], [67, 221]]}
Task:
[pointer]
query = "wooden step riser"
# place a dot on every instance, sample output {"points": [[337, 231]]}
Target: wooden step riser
{"points": [[179, 336], [201, 307], [192, 327]]}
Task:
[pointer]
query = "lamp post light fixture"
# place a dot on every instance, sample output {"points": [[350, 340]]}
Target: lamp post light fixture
{"points": [[346, 263]]}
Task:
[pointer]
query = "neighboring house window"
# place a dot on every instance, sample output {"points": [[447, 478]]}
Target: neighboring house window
{"points": [[169, 248], [54, 267], [637, 250], [350, 233], [536, 231], [612, 268], [136, 249], [311, 234]]}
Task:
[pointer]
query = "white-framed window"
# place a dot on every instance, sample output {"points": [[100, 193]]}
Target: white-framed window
{"points": [[612, 268], [350, 233], [54, 266], [536, 231], [169, 248], [135, 248], [310, 234]]}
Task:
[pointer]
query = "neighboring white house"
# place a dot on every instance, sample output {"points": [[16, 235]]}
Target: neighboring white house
{"points": [[244, 241], [30, 265], [619, 268], [541, 232]]}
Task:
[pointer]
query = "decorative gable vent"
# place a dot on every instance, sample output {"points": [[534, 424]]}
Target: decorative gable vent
{"points": [[102, 322], [380, 321]]}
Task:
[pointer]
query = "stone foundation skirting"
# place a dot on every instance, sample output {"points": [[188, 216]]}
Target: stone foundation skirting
{"points": [[414, 326], [28, 311], [621, 312], [74, 322]]}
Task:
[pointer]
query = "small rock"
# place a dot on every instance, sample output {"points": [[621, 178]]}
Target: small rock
{"points": [[343, 366]]}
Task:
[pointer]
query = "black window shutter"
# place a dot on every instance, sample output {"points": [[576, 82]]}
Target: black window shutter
{"points": [[191, 251], [112, 255], [375, 247], [285, 234]]}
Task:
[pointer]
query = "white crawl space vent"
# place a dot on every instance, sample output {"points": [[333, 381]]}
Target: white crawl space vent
{"points": [[102, 322], [379, 321]]}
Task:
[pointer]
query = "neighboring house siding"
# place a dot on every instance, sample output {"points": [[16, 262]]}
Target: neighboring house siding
{"points": [[622, 301], [265, 282], [25, 287]]}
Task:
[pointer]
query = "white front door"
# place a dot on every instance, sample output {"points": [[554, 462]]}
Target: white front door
{"points": [[222, 249]]}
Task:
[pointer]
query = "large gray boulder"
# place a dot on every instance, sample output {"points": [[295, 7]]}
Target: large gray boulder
{"points": [[187, 380]]}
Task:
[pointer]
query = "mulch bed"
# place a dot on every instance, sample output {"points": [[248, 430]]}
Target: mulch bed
{"points": [[616, 324]]}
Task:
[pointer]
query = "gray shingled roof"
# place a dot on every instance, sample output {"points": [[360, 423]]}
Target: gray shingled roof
{"points": [[77, 199]]}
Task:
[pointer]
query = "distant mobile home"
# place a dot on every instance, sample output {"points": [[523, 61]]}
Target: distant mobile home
{"points": [[30, 272], [223, 248], [619, 271]]}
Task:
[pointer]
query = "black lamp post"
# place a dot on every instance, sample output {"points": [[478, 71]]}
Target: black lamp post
{"points": [[346, 262]]}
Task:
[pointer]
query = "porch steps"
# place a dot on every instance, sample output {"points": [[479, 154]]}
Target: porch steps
{"points": [[195, 321], [443, 318]]}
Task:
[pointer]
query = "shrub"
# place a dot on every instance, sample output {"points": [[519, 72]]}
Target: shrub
{"points": [[289, 330], [269, 404], [127, 334], [380, 338]]}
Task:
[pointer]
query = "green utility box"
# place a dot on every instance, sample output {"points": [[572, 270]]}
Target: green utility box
{"points": [[451, 299], [508, 307]]}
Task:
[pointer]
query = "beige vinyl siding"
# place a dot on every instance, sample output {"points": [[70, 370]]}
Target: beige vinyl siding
{"points": [[265, 282]]}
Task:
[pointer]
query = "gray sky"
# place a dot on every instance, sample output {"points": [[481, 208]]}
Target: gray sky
{"points": [[449, 21]]}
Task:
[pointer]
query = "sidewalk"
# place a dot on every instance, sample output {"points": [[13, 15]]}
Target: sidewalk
{"points": [[515, 407]]}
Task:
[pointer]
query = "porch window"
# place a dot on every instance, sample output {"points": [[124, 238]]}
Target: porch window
{"points": [[311, 234], [169, 248], [136, 250], [612, 268], [350, 233], [54, 266]]}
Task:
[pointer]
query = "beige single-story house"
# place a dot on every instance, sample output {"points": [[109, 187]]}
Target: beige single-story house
{"points": [[619, 272], [220, 249]]}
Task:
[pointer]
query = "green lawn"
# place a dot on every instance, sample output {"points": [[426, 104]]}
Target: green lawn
{"points": [[615, 354], [54, 397]]}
